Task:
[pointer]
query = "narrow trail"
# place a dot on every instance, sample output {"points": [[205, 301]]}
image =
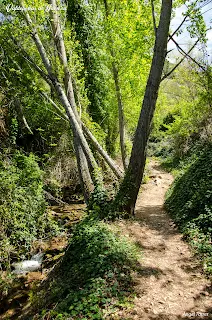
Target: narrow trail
{"points": [[170, 284]]}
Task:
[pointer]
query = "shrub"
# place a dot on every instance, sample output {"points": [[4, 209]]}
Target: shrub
{"points": [[23, 215], [190, 202], [94, 278]]}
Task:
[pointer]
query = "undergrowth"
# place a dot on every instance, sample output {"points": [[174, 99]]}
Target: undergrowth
{"points": [[94, 279], [189, 201], [23, 217]]}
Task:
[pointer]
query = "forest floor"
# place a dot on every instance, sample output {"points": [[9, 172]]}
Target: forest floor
{"points": [[170, 284]]}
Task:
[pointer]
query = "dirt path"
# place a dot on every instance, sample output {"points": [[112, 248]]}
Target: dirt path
{"points": [[170, 284]]}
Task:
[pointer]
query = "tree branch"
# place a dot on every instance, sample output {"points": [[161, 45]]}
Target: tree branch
{"points": [[27, 57], [62, 115], [187, 54], [172, 35], [116, 170], [184, 19], [172, 70], [153, 17], [20, 112]]}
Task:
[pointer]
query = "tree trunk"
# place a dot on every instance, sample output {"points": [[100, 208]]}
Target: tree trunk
{"points": [[116, 170], [121, 114], [83, 170], [77, 130], [119, 99], [21, 115], [128, 192]]}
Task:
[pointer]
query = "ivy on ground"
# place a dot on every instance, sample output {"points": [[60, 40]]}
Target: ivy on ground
{"points": [[190, 203]]}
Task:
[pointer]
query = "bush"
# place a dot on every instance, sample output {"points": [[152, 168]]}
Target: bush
{"points": [[190, 202], [23, 215], [94, 278]]}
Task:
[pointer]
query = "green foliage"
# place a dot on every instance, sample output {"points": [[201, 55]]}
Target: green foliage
{"points": [[190, 203], [85, 21], [183, 113], [94, 278], [197, 27], [128, 33], [13, 130], [22, 207], [6, 284], [99, 202]]}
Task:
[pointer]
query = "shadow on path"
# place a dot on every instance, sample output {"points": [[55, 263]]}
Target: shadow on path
{"points": [[170, 284]]}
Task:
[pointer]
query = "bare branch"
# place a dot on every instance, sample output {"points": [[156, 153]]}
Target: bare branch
{"points": [[21, 115], [62, 115], [172, 70], [184, 20], [29, 59], [178, 28], [187, 54]]}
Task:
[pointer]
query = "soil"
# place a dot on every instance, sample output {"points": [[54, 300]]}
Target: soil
{"points": [[170, 284]]}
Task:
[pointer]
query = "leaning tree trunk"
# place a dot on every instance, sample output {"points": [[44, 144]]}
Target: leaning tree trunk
{"points": [[116, 170], [128, 192], [21, 115], [83, 170], [76, 128]]}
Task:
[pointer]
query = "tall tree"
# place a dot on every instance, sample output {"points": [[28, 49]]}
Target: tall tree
{"points": [[118, 94], [66, 97], [130, 186], [83, 170], [128, 191], [84, 21], [77, 131]]}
